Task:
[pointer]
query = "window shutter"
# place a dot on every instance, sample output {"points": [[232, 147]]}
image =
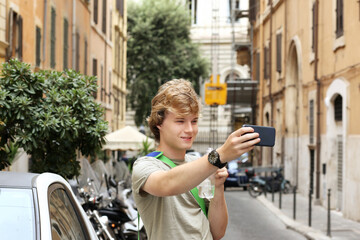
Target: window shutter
{"points": [[38, 46], [109, 87], [257, 66], [53, 39], [94, 73], [266, 62], [278, 52], [66, 44], [101, 83], [122, 8], [252, 10], [104, 17], [96, 3], [339, 18], [85, 57], [10, 34], [77, 64], [20, 38]]}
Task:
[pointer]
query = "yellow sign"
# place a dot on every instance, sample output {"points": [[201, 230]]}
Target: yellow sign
{"points": [[215, 93]]}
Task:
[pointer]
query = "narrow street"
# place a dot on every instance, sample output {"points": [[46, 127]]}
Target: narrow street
{"points": [[249, 219]]}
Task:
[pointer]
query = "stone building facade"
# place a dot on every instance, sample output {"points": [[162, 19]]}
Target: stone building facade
{"points": [[305, 56]]}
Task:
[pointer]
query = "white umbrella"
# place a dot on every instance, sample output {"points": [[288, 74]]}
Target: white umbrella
{"points": [[127, 138]]}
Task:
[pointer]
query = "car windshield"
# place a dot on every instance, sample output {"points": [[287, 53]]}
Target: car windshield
{"points": [[17, 218]]}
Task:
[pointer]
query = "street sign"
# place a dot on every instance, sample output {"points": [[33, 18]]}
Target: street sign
{"points": [[215, 93]]}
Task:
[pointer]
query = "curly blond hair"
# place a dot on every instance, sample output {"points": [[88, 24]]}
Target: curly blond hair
{"points": [[177, 96]]}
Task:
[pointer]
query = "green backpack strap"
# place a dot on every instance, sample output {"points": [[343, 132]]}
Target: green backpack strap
{"points": [[194, 191]]}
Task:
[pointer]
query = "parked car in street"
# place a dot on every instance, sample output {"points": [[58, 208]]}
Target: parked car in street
{"points": [[40, 206], [237, 175]]}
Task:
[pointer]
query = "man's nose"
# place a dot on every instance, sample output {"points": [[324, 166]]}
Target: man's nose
{"points": [[188, 127]]}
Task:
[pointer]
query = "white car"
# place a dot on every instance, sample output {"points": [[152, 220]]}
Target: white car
{"points": [[40, 206]]}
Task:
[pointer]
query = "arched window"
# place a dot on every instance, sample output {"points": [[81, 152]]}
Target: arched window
{"points": [[234, 77], [338, 108]]}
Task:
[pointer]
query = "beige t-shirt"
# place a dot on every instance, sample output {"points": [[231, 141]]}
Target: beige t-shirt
{"points": [[174, 217]]}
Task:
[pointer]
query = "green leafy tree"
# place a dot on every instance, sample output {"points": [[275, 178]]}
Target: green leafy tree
{"points": [[159, 49], [50, 115]]}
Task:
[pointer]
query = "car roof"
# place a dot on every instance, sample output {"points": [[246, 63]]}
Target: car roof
{"points": [[17, 179]]}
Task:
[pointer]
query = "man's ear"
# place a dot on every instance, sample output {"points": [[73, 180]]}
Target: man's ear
{"points": [[159, 127]]}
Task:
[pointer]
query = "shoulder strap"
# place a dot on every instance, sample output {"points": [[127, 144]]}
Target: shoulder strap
{"points": [[194, 191]]}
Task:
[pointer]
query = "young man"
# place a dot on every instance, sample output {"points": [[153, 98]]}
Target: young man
{"points": [[162, 193]]}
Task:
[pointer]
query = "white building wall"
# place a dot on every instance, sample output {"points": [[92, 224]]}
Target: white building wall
{"points": [[202, 31]]}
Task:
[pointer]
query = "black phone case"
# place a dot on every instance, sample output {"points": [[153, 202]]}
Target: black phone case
{"points": [[267, 135]]}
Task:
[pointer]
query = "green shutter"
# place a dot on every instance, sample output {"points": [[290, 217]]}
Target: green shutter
{"points": [[53, 39]]}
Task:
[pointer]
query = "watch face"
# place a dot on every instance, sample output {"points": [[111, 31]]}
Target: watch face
{"points": [[213, 156]]}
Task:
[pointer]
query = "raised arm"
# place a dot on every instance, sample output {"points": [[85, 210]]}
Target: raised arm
{"points": [[187, 176]]}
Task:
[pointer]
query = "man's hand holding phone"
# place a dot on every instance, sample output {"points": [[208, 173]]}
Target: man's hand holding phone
{"points": [[244, 140], [238, 143], [266, 134]]}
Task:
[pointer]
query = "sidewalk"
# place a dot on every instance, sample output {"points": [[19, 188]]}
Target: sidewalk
{"points": [[341, 228]]}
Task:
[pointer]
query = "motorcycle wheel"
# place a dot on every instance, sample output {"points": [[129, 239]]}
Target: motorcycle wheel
{"points": [[254, 189]]}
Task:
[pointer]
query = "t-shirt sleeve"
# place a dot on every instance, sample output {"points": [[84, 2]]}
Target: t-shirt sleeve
{"points": [[142, 169]]}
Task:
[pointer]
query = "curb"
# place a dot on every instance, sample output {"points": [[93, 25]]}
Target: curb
{"points": [[308, 232]]}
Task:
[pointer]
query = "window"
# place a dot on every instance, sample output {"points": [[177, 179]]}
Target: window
{"points": [[64, 219], [102, 89], [53, 38], [338, 108], [109, 87], [193, 10], [104, 17], [311, 121], [110, 27], [339, 18], [257, 72], [237, 5], [17, 205], [121, 54], [77, 51], [15, 48], [120, 7], [253, 9], [94, 73], [66, 44], [278, 52], [95, 14], [85, 57], [266, 63], [117, 51], [38, 47]]}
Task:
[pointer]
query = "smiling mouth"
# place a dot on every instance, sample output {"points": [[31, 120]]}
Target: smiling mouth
{"points": [[186, 138]]}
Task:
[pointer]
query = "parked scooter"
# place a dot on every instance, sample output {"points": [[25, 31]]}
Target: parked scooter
{"points": [[258, 185], [120, 208]]}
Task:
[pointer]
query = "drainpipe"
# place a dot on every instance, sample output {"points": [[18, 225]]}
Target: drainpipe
{"points": [[318, 85]]}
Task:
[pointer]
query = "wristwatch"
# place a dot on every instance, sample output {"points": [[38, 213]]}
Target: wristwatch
{"points": [[214, 159]]}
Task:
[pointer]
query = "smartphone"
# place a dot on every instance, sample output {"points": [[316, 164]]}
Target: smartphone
{"points": [[266, 134]]}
